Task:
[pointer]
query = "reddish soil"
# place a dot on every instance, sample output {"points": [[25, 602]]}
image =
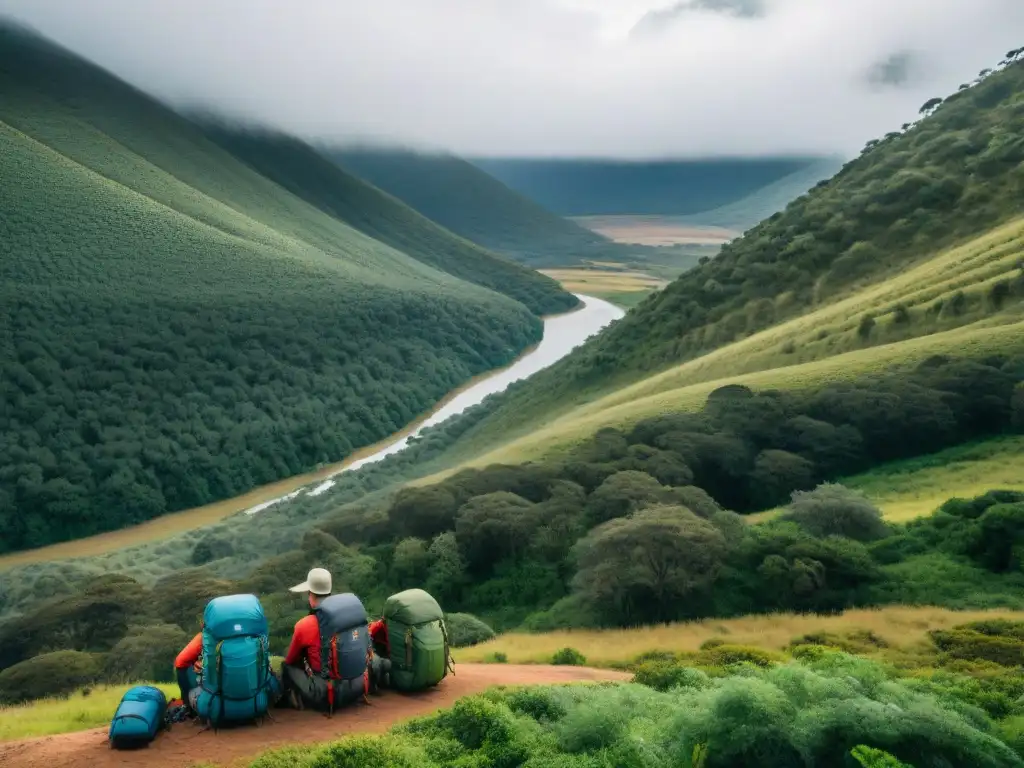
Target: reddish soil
{"points": [[187, 744]]}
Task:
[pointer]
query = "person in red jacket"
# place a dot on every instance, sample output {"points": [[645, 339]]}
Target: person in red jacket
{"points": [[187, 667], [300, 670]]}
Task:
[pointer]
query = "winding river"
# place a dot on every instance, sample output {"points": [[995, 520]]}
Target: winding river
{"points": [[562, 334]]}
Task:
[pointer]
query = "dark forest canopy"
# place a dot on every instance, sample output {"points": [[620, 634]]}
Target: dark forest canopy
{"points": [[177, 328]]}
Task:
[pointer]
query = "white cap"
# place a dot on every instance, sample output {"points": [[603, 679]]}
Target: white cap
{"points": [[318, 581]]}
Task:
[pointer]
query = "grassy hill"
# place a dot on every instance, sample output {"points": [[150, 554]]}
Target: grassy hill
{"points": [[462, 198], [178, 327], [307, 174], [829, 274], [571, 187]]}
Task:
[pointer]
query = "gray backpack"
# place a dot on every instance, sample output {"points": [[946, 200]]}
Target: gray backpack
{"points": [[345, 649]]}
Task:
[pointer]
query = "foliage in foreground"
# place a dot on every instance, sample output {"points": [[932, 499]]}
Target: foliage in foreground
{"points": [[835, 710]]}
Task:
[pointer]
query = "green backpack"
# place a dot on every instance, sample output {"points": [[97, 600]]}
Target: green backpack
{"points": [[417, 640]]}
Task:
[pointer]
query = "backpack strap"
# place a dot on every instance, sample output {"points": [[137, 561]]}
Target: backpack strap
{"points": [[449, 664], [408, 647]]}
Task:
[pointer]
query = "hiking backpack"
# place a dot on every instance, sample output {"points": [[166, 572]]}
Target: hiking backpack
{"points": [[235, 681], [417, 640], [138, 717], [344, 648]]}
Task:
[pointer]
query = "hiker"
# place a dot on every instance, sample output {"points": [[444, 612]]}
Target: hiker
{"points": [[330, 659], [187, 666]]}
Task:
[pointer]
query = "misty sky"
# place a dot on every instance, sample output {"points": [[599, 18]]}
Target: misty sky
{"points": [[627, 78]]}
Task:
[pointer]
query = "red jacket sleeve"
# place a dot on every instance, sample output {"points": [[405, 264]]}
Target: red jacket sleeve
{"points": [[190, 653], [298, 645]]}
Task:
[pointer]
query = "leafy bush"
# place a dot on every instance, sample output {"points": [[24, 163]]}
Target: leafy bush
{"points": [[146, 653], [838, 711], [465, 629], [870, 757], [666, 675], [50, 674], [496, 658], [725, 655], [569, 657], [967, 644], [835, 510]]}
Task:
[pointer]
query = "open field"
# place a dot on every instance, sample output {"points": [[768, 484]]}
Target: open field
{"points": [[904, 490], [810, 350], [625, 287], [654, 230], [901, 627]]}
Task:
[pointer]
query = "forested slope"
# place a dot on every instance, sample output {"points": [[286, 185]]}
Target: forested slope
{"points": [[464, 199], [953, 175], [177, 328], [299, 168]]}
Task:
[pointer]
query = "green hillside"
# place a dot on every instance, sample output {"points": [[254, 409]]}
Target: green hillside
{"points": [[667, 187], [944, 182], [464, 199], [300, 169], [178, 328]]}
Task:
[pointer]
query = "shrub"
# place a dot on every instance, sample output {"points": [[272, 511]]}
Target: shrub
{"points": [[835, 510], [569, 657], [725, 655], [664, 676], [997, 627], [211, 548], [147, 653], [51, 674], [967, 644], [496, 658], [465, 629], [870, 757], [857, 641], [361, 751]]}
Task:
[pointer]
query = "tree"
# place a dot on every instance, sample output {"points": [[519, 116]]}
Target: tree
{"points": [[664, 466], [835, 510], [492, 528], [1017, 403], [645, 567], [776, 475], [423, 511], [621, 494], [447, 574], [410, 563], [930, 105]]}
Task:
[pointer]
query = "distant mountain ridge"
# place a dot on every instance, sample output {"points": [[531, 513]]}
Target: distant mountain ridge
{"points": [[468, 201], [670, 187]]}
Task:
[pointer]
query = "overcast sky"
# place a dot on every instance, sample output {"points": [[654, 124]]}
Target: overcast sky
{"points": [[627, 78]]}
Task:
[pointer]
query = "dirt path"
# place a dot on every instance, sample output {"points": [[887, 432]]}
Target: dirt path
{"points": [[186, 745]]}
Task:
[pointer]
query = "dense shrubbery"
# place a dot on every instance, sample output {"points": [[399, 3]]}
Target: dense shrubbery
{"points": [[49, 674], [594, 538], [795, 714]]}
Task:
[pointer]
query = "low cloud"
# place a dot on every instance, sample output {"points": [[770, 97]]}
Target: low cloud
{"points": [[661, 19], [896, 70], [548, 77]]}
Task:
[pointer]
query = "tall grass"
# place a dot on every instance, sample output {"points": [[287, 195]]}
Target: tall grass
{"points": [[899, 626]]}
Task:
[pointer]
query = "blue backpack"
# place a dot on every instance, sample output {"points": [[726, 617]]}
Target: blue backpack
{"points": [[344, 648], [235, 680], [138, 717]]}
